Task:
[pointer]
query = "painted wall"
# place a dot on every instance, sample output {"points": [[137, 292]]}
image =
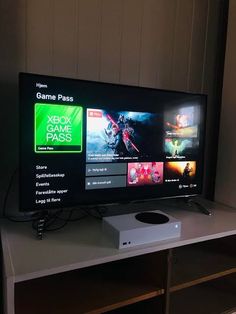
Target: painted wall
{"points": [[226, 168], [169, 44]]}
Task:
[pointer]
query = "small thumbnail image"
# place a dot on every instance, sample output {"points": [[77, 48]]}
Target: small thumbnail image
{"points": [[180, 171], [182, 122], [145, 173], [177, 147]]}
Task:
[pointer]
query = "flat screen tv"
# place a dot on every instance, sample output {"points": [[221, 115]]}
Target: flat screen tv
{"points": [[87, 143]]}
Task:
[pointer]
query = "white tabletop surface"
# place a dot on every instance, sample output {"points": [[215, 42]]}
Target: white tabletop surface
{"points": [[82, 243]]}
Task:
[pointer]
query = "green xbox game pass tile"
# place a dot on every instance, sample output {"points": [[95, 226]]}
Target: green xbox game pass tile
{"points": [[58, 128]]}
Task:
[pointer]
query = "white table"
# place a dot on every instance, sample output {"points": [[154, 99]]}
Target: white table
{"points": [[82, 244]]}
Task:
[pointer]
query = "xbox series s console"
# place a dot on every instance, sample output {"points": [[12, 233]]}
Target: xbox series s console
{"points": [[141, 228]]}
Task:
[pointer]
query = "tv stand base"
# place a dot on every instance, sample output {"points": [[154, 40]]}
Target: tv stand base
{"points": [[199, 206]]}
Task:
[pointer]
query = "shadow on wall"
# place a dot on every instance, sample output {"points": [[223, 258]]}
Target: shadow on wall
{"points": [[9, 129], [12, 60]]}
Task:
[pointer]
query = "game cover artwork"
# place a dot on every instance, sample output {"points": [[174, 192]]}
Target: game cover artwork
{"points": [[145, 173], [182, 123], [181, 132], [178, 148], [120, 136], [180, 171]]}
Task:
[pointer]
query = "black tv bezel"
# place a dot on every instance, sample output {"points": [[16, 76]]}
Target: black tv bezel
{"points": [[23, 75]]}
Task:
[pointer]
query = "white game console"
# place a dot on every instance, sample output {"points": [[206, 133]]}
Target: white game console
{"points": [[141, 228]]}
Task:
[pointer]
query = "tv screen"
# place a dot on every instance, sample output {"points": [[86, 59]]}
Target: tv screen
{"points": [[87, 143]]}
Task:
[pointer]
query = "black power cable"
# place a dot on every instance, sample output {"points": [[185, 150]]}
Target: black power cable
{"points": [[4, 208]]}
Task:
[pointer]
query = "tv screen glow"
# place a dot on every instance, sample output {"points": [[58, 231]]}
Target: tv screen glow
{"points": [[87, 143]]}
